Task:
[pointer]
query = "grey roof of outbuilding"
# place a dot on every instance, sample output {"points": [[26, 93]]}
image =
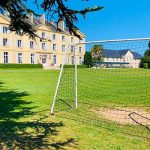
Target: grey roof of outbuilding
{"points": [[119, 53]]}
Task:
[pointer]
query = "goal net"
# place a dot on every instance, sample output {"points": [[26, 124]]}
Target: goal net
{"points": [[106, 84]]}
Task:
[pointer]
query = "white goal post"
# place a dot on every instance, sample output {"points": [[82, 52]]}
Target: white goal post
{"points": [[136, 46]]}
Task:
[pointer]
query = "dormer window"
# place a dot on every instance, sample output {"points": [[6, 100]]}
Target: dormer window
{"points": [[71, 39], [31, 44], [43, 34], [19, 43]]}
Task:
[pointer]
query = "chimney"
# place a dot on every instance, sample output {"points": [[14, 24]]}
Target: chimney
{"points": [[61, 25], [31, 18], [42, 19]]}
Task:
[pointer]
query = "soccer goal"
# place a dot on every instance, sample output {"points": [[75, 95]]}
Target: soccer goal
{"points": [[106, 81]]}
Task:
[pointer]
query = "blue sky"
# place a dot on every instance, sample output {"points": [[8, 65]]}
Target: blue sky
{"points": [[118, 19]]}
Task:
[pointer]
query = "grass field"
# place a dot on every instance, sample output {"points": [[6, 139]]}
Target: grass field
{"points": [[26, 96]]}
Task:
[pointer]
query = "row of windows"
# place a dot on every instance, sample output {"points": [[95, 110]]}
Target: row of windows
{"points": [[63, 38], [128, 59], [43, 35], [44, 46], [19, 58]]}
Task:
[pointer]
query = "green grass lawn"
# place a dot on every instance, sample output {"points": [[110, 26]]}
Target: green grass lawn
{"points": [[26, 96]]}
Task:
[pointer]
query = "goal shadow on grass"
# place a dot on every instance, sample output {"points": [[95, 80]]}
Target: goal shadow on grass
{"points": [[20, 128], [127, 120]]}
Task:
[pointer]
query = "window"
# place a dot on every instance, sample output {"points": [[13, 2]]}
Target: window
{"points": [[43, 34], [63, 48], [63, 38], [71, 39], [64, 59], [43, 45], [5, 42], [19, 43], [80, 60], [19, 32], [72, 59], [19, 58], [32, 58], [80, 49], [54, 59], [5, 29], [72, 49], [5, 57], [44, 58], [31, 44], [54, 47], [80, 40], [54, 37]]}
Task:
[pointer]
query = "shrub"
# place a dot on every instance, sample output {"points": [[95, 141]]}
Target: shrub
{"points": [[5, 66], [146, 65], [73, 66]]}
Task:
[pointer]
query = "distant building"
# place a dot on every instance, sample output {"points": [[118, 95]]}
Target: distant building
{"points": [[121, 58]]}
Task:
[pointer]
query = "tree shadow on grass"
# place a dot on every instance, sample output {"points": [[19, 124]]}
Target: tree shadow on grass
{"points": [[18, 129]]}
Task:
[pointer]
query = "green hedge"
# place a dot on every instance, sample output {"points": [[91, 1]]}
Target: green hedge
{"points": [[72, 66], [5, 66], [146, 65]]}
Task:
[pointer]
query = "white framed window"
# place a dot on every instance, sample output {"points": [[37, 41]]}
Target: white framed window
{"points": [[72, 48], [53, 37], [72, 60], [31, 44], [72, 39], [19, 58], [54, 59], [5, 57], [32, 59], [19, 32], [64, 59], [63, 38], [80, 49], [19, 43], [5, 29], [43, 45], [63, 48], [43, 60], [80, 60], [54, 47], [5, 42], [43, 35]]}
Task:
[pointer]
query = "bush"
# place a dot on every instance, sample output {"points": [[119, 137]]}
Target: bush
{"points": [[5, 66], [73, 66], [146, 65], [149, 65]]}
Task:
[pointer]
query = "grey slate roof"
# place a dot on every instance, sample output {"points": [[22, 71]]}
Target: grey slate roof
{"points": [[119, 53], [52, 26]]}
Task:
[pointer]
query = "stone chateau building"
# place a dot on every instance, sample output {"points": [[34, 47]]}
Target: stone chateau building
{"points": [[23, 50]]}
